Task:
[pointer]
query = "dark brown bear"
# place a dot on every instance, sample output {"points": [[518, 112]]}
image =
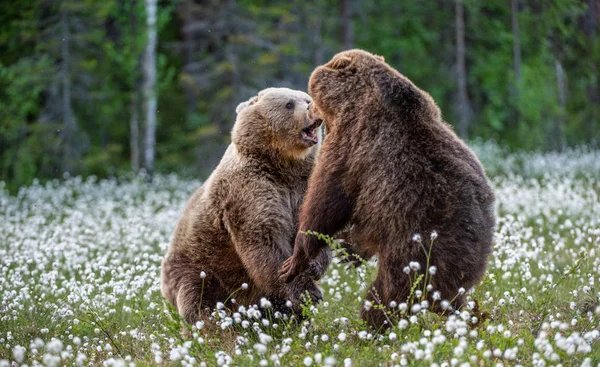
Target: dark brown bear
{"points": [[391, 168], [240, 225]]}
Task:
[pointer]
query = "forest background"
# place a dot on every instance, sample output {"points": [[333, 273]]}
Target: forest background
{"points": [[116, 86]]}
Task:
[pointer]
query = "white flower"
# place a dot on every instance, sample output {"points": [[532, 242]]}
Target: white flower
{"points": [[416, 237], [342, 337], [202, 275], [18, 353], [458, 351], [244, 286], [329, 361], [414, 265], [265, 303], [433, 235], [308, 361], [260, 348], [264, 338], [55, 346], [415, 308]]}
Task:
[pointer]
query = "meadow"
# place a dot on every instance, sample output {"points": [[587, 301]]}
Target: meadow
{"points": [[80, 266]]}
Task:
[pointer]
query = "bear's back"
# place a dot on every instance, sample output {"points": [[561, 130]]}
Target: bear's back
{"points": [[414, 171]]}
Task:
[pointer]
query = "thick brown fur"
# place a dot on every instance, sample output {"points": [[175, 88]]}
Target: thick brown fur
{"points": [[240, 225], [391, 168]]}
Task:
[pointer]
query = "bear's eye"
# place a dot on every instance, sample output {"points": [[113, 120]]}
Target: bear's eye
{"points": [[289, 105]]}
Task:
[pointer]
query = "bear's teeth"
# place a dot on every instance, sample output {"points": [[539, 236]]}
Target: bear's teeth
{"points": [[309, 135]]}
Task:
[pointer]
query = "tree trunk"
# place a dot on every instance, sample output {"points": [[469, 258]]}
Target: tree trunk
{"points": [[318, 35], [134, 132], [232, 58], [149, 87], [514, 7], [591, 29], [561, 86], [346, 24], [188, 52], [69, 123], [463, 101]]}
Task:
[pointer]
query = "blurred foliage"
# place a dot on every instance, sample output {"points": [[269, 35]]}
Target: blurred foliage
{"points": [[214, 54]]}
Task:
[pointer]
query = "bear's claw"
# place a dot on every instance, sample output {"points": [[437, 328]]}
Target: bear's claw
{"points": [[290, 270]]}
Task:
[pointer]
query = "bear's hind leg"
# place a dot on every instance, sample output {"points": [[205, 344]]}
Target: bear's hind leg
{"points": [[197, 293], [391, 284]]}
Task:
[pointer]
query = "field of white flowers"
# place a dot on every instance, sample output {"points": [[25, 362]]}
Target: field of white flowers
{"points": [[80, 262]]}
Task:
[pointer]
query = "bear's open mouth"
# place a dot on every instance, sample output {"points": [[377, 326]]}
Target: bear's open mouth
{"points": [[309, 133]]}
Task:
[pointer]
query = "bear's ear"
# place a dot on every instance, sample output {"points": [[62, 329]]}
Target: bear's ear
{"points": [[380, 58], [340, 62], [243, 105]]}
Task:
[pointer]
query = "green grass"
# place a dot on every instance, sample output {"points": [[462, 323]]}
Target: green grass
{"points": [[80, 264]]}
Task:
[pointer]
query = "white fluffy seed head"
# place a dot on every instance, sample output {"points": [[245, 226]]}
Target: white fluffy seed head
{"points": [[414, 265], [433, 235]]}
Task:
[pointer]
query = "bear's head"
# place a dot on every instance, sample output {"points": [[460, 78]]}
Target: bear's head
{"points": [[276, 120], [355, 80]]}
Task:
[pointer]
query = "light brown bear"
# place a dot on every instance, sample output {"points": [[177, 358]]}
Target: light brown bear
{"points": [[240, 225]]}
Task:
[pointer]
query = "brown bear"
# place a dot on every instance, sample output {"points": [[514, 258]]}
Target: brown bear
{"points": [[240, 225], [391, 168]]}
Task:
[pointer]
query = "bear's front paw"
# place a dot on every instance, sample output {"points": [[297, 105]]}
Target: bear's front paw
{"points": [[292, 267], [318, 266]]}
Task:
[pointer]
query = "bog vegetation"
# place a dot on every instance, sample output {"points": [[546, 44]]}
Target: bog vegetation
{"points": [[80, 262]]}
